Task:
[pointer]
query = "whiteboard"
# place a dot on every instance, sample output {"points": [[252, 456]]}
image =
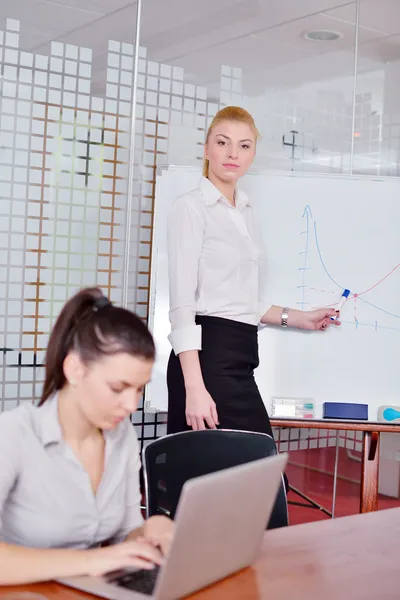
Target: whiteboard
{"points": [[322, 234]]}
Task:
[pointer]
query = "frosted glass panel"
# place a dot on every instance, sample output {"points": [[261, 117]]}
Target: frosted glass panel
{"points": [[64, 168]]}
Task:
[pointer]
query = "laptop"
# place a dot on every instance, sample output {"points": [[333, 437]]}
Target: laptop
{"points": [[219, 527]]}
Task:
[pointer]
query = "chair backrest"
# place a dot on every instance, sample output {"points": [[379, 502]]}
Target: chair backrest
{"points": [[170, 461]]}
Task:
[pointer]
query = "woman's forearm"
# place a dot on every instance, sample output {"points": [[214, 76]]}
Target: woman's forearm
{"points": [[273, 316], [191, 369], [19, 565]]}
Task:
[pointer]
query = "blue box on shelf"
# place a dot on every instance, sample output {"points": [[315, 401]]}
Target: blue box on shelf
{"points": [[345, 410]]}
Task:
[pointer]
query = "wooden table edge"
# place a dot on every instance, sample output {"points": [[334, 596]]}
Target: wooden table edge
{"points": [[336, 425]]}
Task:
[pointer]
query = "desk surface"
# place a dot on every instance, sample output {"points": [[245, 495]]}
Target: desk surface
{"points": [[337, 424], [349, 558]]}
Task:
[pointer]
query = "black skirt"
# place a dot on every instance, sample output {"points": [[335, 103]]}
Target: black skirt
{"points": [[228, 358]]}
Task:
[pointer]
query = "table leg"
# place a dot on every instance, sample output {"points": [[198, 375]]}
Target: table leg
{"points": [[370, 472]]}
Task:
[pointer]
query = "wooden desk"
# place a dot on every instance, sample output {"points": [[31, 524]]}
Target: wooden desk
{"points": [[370, 450], [349, 558]]}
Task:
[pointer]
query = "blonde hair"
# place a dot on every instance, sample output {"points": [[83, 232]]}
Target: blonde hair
{"points": [[230, 113]]}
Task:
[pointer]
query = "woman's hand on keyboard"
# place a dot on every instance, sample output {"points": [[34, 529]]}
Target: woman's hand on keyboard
{"points": [[158, 531], [140, 554]]}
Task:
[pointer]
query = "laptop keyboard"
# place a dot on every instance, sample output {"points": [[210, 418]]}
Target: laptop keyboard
{"points": [[143, 581]]}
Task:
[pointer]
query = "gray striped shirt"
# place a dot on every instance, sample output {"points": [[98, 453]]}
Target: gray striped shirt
{"points": [[46, 498]]}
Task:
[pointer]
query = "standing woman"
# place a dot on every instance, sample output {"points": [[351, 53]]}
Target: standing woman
{"points": [[216, 268]]}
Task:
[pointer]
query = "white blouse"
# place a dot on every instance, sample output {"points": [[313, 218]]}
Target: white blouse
{"points": [[216, 263], [46, 498]]}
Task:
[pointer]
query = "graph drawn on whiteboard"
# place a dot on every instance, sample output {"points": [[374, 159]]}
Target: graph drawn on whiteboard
{"points": [[360, 312]]}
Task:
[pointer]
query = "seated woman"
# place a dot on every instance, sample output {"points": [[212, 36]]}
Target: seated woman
{"points": [[69, 468]]}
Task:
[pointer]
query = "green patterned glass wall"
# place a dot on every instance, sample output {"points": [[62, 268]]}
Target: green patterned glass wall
{"points": [[65, 143]]}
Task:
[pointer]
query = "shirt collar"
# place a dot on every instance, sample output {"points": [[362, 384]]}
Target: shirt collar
{"points": [[48, 425], [212, 195]]}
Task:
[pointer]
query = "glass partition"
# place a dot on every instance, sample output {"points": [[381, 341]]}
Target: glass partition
{"points": [[66, 108]]}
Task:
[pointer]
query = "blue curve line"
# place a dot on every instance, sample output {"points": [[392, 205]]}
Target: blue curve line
{"points": [[322, 260], [378, 308], [386, 312], [307, 213]]}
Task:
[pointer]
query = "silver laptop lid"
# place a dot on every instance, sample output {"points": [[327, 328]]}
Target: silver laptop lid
{"points": [[220, 524]]}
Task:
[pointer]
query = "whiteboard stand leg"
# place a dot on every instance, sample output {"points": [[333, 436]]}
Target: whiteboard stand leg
{"points": [[335, 475], [370, 472], [310, 502]]}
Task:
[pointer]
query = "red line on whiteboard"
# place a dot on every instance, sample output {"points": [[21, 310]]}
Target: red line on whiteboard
{"points": [[379, 282]]}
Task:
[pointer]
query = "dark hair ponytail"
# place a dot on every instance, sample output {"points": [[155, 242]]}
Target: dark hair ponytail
{"points": [[90, 325]]}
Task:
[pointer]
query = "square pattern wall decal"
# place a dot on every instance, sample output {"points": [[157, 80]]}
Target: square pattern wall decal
{"points": [[64, 157]]}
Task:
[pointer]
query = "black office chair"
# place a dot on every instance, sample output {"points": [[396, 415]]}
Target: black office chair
{"points": [[171, 460]]}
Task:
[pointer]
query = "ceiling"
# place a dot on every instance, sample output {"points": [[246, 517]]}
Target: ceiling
{"points": [[263, 37]]}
